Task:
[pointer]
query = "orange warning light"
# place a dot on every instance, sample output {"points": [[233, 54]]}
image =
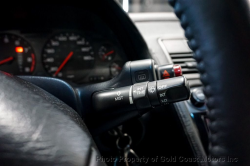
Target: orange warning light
{"points": [[19, 49]]}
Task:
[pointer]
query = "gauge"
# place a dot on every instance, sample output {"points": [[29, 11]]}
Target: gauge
{"points": [[115, 68], [68, 56], [16, 55], [106, 52]]}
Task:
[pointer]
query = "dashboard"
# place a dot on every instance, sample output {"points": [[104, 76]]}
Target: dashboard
{"points": [[74, 55], [71, 44]]}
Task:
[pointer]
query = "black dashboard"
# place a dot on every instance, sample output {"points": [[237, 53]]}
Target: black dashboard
{"points": [[75, 44]]}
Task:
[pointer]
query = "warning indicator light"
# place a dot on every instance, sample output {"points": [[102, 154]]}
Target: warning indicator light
{"points": [[19, 49]]}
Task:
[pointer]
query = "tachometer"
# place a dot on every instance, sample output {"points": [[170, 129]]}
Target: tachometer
{"points": [[16, 55], [68, 56]]}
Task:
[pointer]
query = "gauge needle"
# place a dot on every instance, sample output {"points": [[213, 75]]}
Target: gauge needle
{"points": [[6, 60], [64, 62], [110, 52]]}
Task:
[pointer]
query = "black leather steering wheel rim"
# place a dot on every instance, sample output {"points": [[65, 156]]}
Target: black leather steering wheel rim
{"points": [[38, 129], [219, 34]]}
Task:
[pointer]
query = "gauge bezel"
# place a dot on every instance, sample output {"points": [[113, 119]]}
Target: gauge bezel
{"points": [[32, 50]]}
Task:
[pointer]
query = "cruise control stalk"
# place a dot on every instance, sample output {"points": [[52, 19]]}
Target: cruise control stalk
{"points": [[142, 95], [114, 106]]}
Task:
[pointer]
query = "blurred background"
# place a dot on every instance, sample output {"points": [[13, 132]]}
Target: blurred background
{"points": [[138, 6]]}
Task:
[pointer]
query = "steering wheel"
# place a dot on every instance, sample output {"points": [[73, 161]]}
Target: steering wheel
{"points": [[38, 129], [219, 34]]}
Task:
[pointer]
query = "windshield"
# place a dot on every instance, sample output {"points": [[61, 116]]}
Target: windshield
{"points": [[138, 6]]}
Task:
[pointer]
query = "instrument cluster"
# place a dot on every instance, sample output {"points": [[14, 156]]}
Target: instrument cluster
{"points": [[72, 55]]}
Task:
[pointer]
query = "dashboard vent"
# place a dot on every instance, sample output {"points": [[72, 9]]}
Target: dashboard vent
{"points": [[181, 54], [186, 61]]}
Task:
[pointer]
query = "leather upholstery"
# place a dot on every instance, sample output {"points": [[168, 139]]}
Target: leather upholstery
{"points": [[58, 88], [219, 33], [38, 129], [191, 132]]}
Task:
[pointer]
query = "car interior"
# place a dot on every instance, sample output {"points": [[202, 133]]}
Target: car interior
{"points": [[125, 82]]}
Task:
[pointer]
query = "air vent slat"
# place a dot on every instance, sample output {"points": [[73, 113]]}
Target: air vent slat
{"points": [[183, 65], [192, 76], [182, 56], [183, 60], [188, 65], [185, 70]]}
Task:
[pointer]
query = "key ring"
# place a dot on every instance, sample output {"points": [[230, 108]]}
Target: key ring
{"points": [[127, 152], [123, 142]]}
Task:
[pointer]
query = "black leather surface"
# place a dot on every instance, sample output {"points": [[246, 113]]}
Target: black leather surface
{"points": [[58, 88], [191, 132], [38, 129], [219, 33]]}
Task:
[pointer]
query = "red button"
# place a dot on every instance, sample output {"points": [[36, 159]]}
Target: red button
{"points": [[177, 70]]}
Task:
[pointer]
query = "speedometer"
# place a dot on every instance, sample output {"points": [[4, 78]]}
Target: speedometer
{"points": [[68, 56]]}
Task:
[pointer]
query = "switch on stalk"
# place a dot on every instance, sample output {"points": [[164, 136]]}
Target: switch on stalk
{"points": [[142, 95]]}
